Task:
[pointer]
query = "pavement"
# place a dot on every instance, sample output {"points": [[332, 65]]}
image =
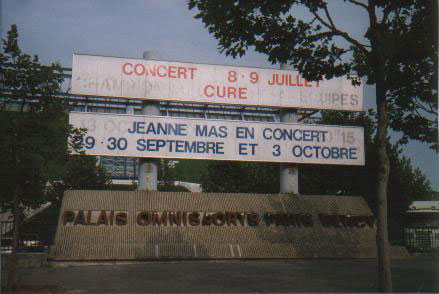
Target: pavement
{"points": [[418, 274]]}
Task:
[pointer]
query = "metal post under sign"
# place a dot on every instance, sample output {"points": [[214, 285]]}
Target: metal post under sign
{"points": [[289, 173], [148, 167]]}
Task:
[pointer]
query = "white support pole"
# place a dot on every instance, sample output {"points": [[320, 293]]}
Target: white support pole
{"points": [[130, 109], [289, 172], [148, 167]]}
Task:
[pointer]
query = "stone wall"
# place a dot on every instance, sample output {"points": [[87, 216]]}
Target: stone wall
{"points": [[114, 225]]}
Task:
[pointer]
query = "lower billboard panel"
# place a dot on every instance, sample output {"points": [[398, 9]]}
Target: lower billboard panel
{"points": [[170, 137]]}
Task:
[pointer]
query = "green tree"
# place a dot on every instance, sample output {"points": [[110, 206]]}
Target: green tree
{"points": [[406, 184], [75, 170], [166, 174], [79, 172], [405, 80], [344, 180], [167, 177], [34, 162], [33, 124], [241, 177], [189, 170]]}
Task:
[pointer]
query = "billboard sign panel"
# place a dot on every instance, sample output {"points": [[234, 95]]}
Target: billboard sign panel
{"points": [[170, 137], [206, 83]]}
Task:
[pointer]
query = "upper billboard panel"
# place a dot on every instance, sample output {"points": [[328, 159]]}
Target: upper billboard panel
{"points": [[205, 83]]}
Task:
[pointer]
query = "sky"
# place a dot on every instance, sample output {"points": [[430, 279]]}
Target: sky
{"points": [[55, 29]]}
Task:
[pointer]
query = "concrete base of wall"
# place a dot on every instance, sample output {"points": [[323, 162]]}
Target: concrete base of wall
{"points": [[396, 252], [25, 260]]}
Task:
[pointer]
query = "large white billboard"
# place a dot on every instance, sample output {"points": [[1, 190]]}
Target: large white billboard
{"points": [[168, 137], [205, 83]]}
